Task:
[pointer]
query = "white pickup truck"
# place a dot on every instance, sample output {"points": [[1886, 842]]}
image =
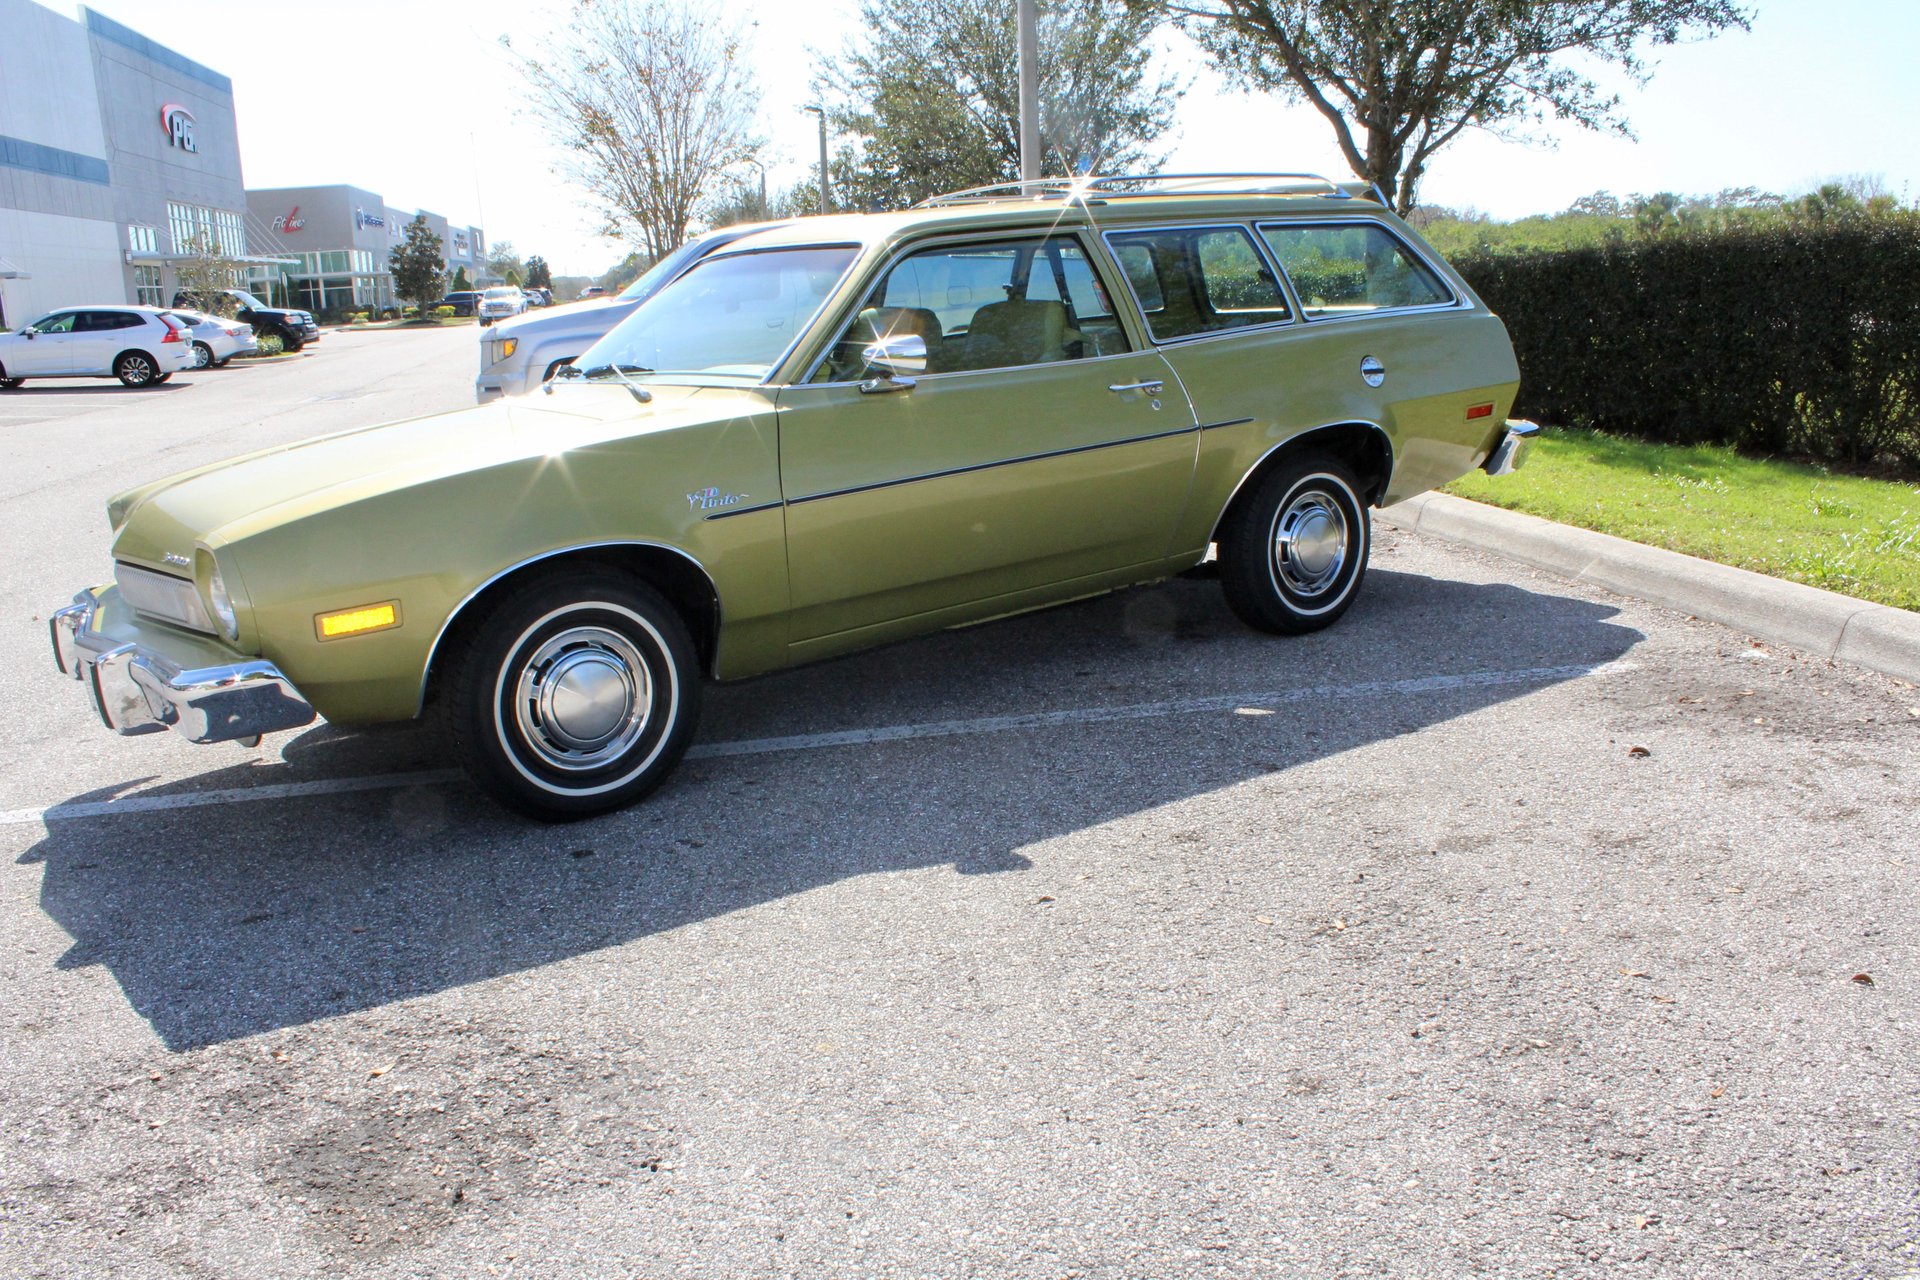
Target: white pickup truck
{"points": [[519, 353]]}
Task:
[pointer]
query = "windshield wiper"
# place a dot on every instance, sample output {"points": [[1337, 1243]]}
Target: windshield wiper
{"points": [[621, 371]]}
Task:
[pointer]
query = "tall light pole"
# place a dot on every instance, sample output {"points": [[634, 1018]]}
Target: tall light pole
{"points": [[826, 196], [1029, 93]]}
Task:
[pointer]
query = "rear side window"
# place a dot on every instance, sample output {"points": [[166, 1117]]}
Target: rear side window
{"points": [[1197, 280], [1352, 268]]}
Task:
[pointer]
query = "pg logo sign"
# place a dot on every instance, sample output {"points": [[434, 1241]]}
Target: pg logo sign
{"points": [[177, 123]]}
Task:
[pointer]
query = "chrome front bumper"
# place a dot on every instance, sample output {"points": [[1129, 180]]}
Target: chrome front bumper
{"points": [[1511, 453], [137, 689]]}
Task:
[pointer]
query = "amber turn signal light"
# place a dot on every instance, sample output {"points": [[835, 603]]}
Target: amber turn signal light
{"points": [[357, 621]]}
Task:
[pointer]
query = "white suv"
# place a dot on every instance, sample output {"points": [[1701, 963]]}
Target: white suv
{"points": [[141, 346], [520, 354], [500, 302]]}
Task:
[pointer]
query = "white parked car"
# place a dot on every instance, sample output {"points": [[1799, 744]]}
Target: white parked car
{"points": [[520, 354], [141, 346], [216, 341], [500, 302]]}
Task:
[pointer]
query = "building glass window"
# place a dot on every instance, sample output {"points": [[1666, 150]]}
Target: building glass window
{"points": [[219, 229], [143, 239], [146, 285]]}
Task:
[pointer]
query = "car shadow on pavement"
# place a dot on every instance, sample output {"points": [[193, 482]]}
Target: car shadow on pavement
{"points": [[108, 387], [229, 920]]}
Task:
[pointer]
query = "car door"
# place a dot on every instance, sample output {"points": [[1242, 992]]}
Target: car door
{"points": [[99, 336], [45, 352], [1037, 453]]}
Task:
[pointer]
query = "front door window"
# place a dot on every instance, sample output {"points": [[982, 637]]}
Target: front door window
{"points": [[1003, 304]]}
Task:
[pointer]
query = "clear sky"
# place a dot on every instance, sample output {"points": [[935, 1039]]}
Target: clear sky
{"points": [[414, 99]]}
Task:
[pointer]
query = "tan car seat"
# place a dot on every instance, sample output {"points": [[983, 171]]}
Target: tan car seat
{"points": [[1006, 334]]}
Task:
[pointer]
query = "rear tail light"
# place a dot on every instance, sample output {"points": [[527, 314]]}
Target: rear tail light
{"points": [[173, 335]]}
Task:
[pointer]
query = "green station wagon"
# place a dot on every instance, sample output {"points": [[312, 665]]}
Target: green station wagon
{"points": [[830, 434]]}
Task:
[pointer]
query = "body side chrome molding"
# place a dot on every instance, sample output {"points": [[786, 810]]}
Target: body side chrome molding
{"points": [[745, 511], [989, 466], [426, 668]]}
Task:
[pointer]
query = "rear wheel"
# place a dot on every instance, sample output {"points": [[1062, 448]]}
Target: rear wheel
{"points": [[575, 696], [1294, 552], [202, 356], [135, 369]]}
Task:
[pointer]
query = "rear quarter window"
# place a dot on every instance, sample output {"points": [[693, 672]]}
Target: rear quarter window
{"points": [[1198, 280], [1352, 269]]}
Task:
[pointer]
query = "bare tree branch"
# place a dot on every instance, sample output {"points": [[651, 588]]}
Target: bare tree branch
{"points": [[652, 100]]}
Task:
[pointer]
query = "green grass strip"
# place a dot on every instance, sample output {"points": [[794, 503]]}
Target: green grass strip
{"points": [[1844, 533]]}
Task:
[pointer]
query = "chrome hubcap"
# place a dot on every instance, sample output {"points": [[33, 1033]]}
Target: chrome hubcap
{"points": [[139, 370], [583, 698], [1310, 543]]}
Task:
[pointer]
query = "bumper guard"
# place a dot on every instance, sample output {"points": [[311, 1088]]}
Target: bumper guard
{"points": [[1511, 453], [139, 690]]}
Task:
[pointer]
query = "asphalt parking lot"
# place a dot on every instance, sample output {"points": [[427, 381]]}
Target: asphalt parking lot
{"points": [[1507, 928]]}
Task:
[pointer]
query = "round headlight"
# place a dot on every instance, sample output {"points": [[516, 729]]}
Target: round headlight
{"points": [[217, 598]]}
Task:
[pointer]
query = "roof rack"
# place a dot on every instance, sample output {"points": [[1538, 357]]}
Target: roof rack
{"points": [[1145, 184]]}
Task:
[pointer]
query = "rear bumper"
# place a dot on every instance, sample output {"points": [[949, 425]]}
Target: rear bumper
{"points": [[139, 687], [1508, 456]]}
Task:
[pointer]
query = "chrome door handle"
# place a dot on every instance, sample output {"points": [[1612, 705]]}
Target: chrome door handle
{"points": [[1151, 388]]}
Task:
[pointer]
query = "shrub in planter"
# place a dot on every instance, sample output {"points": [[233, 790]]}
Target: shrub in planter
{"points": [[270, 345], [359, 317], [445, 313]]}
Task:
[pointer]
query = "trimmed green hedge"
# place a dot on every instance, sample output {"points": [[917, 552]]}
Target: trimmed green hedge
{"points": [[1799, 340]]}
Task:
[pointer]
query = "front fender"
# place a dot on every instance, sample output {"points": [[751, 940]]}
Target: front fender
{"points": [[432, 545]]}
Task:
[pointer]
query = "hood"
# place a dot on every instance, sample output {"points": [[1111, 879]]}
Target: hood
{"points": [[228, 501], [571, 317]]}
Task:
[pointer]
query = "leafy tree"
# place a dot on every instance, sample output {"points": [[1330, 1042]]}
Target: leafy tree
{"points": [[206, 273], [417, 266], [539, 274], [461, 282], [625, 272], [1400, 79], [652, 100], [503, 259], [742, 203], [929, 93]]}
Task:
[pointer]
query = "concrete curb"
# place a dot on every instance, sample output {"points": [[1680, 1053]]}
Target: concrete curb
{"points": [[1825, 623]]}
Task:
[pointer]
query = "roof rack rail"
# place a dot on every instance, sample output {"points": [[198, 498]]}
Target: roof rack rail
{"points": [[1143, 184]]}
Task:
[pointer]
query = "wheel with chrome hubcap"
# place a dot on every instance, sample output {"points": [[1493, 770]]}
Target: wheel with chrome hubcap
{"points": [[202, 356], [575, 697], [1292, 554]]}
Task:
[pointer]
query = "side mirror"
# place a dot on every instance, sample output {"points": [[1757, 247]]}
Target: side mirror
{"points": [[894, 360], [31, 332]]}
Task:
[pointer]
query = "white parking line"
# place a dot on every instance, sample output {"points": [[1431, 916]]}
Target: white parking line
{"points": [[1231, 702]]}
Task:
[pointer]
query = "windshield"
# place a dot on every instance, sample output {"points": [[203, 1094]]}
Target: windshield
{"points": [[503, 292], [733, 315]]}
